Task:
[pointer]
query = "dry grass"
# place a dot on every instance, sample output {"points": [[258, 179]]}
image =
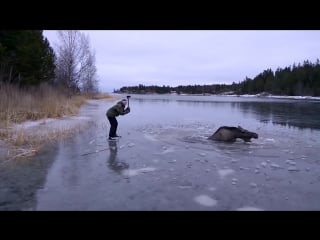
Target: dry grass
{"points": [[19, 144], [98, 96], [19, 105], [23, 143]]}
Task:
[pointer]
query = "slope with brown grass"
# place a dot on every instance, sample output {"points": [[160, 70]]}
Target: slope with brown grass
{"points": [[18, 105]]}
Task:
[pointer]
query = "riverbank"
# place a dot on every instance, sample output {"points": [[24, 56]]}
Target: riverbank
{"points": [[229, 94], [26, 139]]}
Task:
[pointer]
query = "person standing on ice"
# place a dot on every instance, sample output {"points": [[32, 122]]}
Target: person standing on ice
{"points": [[112, 113]]}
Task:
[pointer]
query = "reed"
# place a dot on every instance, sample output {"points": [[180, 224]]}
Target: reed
{"points": [[18, 105]]}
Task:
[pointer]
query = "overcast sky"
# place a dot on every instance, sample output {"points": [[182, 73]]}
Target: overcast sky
{"points": [[176, 57]]}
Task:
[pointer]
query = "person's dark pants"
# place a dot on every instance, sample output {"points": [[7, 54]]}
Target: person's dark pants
{"points": [[113, 128]]}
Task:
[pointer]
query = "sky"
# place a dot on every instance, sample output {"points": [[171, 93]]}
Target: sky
{"points": [[189, 57]]}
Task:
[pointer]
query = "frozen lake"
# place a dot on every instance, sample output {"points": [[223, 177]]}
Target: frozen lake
{"points": [[165, 162]]}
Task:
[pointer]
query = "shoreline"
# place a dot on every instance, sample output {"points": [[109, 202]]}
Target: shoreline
{"points": [[29, 137], [261, 95]]}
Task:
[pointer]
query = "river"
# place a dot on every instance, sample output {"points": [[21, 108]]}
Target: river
{"points": [[164, 161]]}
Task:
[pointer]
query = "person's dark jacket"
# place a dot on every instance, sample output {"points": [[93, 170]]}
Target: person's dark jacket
{"points": [[117, 110]]}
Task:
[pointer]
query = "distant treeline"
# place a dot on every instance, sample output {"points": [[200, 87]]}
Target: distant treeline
{"points": [[297, 80]]}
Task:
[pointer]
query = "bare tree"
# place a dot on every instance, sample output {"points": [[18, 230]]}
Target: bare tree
{"points": [[75, 64], [88, 70]]}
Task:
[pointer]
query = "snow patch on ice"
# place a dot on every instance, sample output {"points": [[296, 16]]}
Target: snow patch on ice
{"points": [[225, 172], [248, 208], [205, 200], [149, 137], [135, 172], [167, 150], [29, 124], [270, 140], [202, 154]]}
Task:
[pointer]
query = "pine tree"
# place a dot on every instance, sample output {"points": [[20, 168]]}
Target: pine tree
{"points": [[26, 58]]}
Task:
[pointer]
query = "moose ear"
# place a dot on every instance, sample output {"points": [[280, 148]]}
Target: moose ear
{"points": [[241, 129]]}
